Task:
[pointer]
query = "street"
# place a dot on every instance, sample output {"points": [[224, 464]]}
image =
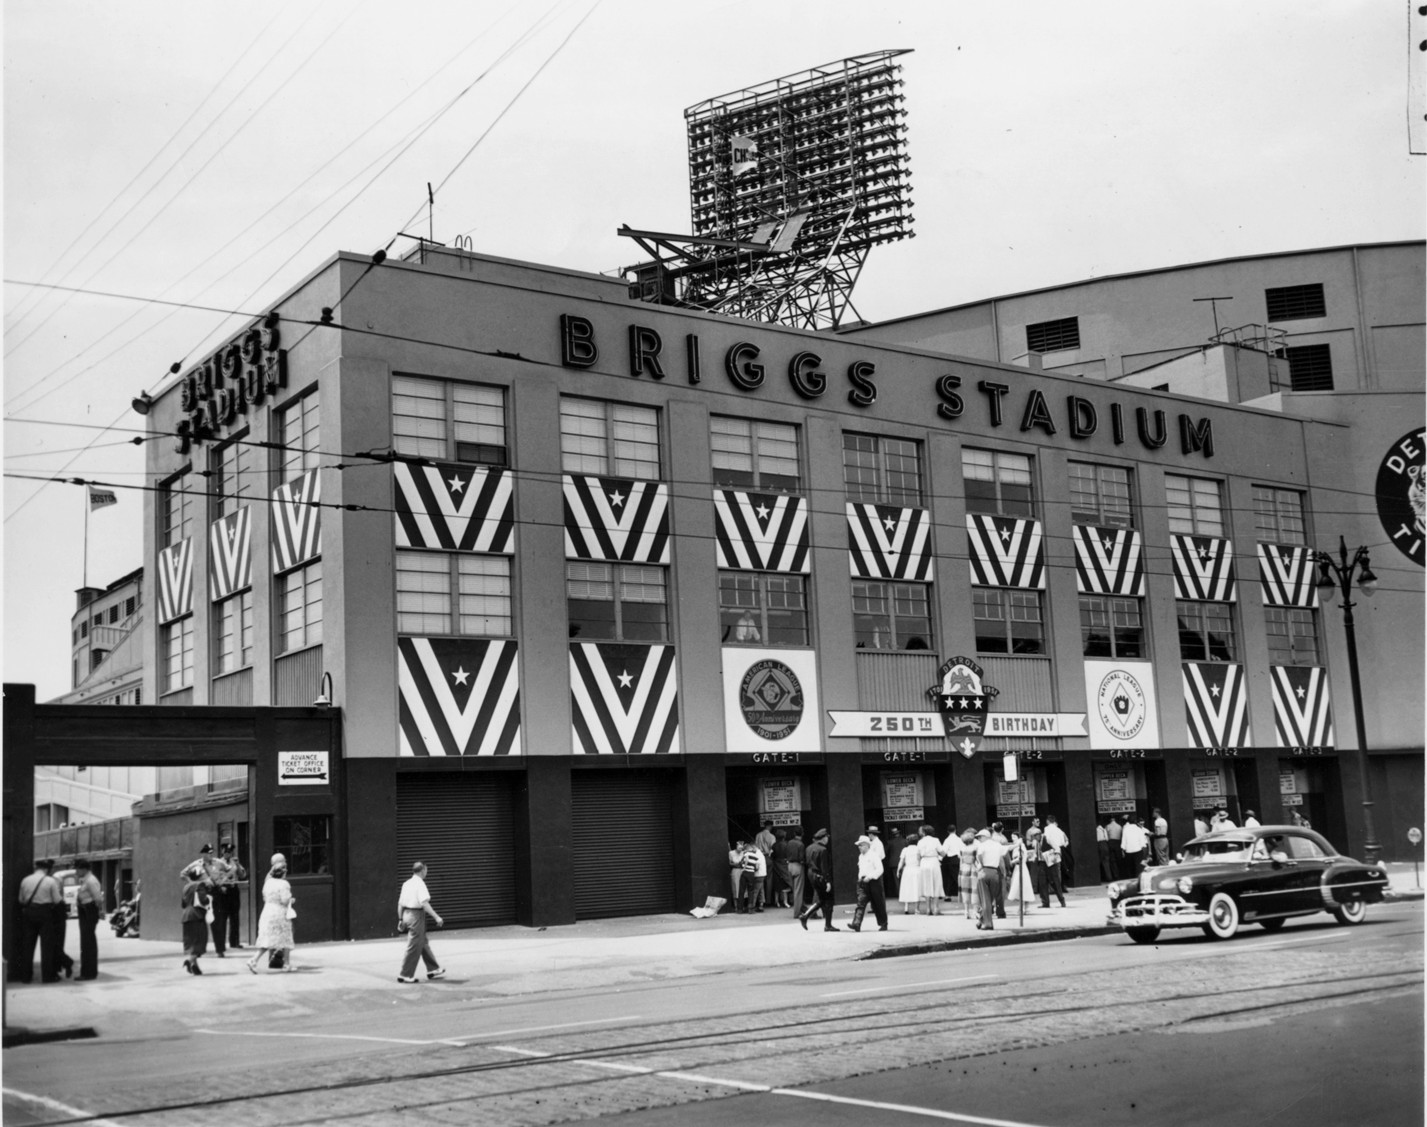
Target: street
{"points": [[1313, 1024]]}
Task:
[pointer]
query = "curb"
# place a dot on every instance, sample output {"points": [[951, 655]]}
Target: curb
{"points": [[22, 1036], [1009, 939]]}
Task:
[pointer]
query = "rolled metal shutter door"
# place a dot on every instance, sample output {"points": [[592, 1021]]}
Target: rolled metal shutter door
{"points": [[461, 825], [623, 843]]}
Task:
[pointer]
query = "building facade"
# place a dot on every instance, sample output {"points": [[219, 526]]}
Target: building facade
{"points": [[599, 586]]}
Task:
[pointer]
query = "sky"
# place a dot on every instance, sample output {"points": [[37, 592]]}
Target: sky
{"points": [[183, 165]]}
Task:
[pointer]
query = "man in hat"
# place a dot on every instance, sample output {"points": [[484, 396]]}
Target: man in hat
{"points": [[88, 902], [869, 885], [227, 872], [201, 867], [989, 854], [819, 875]]}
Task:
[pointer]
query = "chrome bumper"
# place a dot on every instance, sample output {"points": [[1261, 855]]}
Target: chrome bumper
{"points": [[1157, 911]]}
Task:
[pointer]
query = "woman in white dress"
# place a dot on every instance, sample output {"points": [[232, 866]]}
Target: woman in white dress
{"points": [[909, 878], [274, 928], [929, 855], [1018, 882]]}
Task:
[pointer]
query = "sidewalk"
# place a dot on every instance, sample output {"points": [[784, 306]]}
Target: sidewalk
{"points": [[142, 989]]}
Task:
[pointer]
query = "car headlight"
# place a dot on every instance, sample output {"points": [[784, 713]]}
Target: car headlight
{"points": [[1184, 884]]}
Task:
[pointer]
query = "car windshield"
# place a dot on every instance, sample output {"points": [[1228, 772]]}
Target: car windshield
{"points": [[1218, 849]]}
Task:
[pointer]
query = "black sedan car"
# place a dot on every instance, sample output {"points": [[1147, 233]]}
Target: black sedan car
{"points": [[1263, 875]]}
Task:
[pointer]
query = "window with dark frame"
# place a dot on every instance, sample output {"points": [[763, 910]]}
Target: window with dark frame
{"points": [[997, 482], [1053, 336], [891, 616], [1295, 303], [1278, 515], [1292, 635], [762, 608], [880, 470], [1206, 631], [1111, 627], [1008, 621], [1310, 367], [233, 633], [756, 455], [453, 593], [448, 421], [1101, 495], [610, 602], [299, 607], [305, 840], [176, 654]]}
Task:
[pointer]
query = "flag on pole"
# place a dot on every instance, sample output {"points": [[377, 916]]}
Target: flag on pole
{"points": [[98, 498]]}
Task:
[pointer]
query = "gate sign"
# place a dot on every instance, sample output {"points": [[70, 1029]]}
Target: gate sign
{"points": [[1402, 494], [302, 768]]}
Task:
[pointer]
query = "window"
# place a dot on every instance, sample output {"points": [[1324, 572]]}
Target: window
{"points": [[1195, 506], [1111, 627], [609, 439], [430, 584], [231, 477], [299, 431], [879, 470], [176, 509], [754, 455], [1310, 367], [1100, 495], [1295, 303], [1206, 631], [1292, 635], [306, 841], [1053, 336], [453, 421], [176, 653], [130, 605], [616, 602], [114, 613], [892, 616], [758, 608], [1278, 515], [233, 633], [299, 607], [997, 483], [1008, 621], [1303, 848]]}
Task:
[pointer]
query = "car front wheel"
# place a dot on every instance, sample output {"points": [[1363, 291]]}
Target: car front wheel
{"points": [[1223, 917], [1353, 912], [1142, 934]]}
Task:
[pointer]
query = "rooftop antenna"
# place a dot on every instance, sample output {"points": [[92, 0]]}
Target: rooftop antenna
{"points": [[430, 213], [1213, 304]]}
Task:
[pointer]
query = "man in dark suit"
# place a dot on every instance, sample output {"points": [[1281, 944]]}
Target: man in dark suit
{"points": [[819, 866]]}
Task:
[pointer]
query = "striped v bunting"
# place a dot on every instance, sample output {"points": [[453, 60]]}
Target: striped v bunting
{"points": [[458, 696], [1109, 561], [1203, 568], [1216, 705], [1301, 709], [1286, 573], [455, 507], [623, 699], [175, 581], [761, 531], [612, 518], [297, 521], [1005, 551], [886, 542], [230, 554]]}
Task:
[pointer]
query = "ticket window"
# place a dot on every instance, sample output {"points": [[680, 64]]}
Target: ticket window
{"points": [[1015, 803], [1216, 787], [783, 800], [902, 798], [1304, 788]]}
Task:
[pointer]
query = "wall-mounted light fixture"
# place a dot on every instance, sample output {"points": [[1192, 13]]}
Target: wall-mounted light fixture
{"points": [[324, 698]]}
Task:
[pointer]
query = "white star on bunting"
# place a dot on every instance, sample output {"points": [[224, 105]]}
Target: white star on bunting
{"points": [[625, 679], [459, 675], [456, 484]]}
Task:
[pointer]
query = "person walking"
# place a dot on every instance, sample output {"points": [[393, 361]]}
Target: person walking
{"points": [[227, 872], [969, 876], [869, 886], [929, 861], [989, 854], [1102, 847], [89, 900], [39, 892], [195, 902], [819, 862], [413, 906], [1160, 837], [797, 851], [1053, 843], [275, 923], [909, 872]]}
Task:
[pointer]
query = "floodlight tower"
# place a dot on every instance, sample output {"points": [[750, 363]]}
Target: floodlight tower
{"points": [[791, 184]]}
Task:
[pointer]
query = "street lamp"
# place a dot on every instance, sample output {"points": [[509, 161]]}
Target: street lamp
{"points": [[1332, 578]]}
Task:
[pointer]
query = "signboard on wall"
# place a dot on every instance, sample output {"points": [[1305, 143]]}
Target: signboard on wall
{"points": [[302, 768], [771, 700], [1122, 710], [1114, 786], [1208, 782]]}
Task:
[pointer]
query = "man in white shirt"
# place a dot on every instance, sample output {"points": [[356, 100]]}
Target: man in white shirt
{"points": [[989, 854], [1115, 827], [1250, 822], [1161, 837], [869, 886], [1201, 827], [1134, 841], [1102, 847], [88, 903], [1053, 843], [412, 908], [40, 893]]}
